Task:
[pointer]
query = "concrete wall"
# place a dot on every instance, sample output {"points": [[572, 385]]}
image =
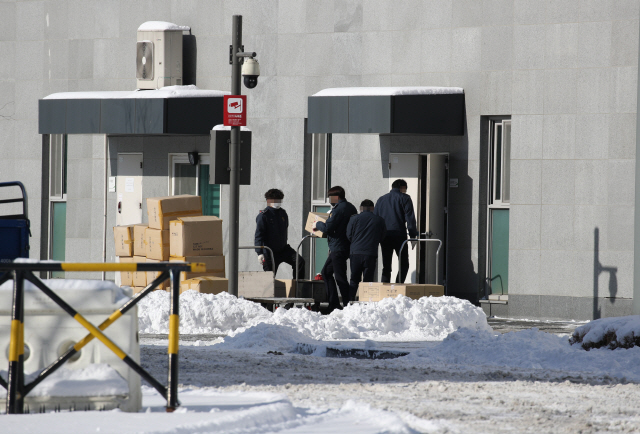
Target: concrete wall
{"points": [[566, 71]]}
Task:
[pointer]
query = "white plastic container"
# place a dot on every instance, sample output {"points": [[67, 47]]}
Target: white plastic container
{"points": [[49, 332]]}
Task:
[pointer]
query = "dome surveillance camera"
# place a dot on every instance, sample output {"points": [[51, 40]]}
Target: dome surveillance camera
{"points": [[251, 72]]}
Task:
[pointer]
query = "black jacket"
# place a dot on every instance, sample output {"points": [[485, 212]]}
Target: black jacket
{"points": [[336, 226], [365, 231], [396, 209], [271, 230]]}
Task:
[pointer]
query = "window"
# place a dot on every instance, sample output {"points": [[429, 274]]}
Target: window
{"points": [[320, 184], [498, 208], [190, 179], [57, 199]]}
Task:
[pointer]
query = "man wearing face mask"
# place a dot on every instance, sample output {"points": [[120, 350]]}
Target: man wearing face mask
{"points": [[272, 225], [336, 230]]}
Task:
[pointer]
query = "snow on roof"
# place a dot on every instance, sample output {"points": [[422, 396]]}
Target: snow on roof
{"points": [[221, 127], [161, 26], [388, 91], [190, 91]]}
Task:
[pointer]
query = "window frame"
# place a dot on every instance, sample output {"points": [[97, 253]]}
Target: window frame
{"points": [[316, 203], [183, 158], [53, 199], [492, 202]]}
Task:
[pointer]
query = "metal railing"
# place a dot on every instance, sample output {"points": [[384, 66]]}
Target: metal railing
{"points": [[273, 260], [19, 272], [421, 240], [298, 259]]}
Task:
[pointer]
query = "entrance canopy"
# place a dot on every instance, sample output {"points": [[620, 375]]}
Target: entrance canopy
{"points": [[388, 110], [169, 110]]}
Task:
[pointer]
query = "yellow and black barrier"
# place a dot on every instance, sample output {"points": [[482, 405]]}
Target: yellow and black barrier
{"points": [[19, 272]]}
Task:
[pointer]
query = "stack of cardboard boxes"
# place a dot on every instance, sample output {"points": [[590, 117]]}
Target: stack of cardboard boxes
{"points": [[196, 238]]}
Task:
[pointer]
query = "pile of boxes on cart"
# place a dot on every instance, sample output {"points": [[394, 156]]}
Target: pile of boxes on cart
{"points": [[177, 232]]}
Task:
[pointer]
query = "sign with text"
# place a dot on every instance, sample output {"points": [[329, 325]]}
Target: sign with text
{"points": [[235, 110]]}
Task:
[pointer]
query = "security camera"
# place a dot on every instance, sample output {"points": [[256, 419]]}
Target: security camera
{"points": [[251, 72]]}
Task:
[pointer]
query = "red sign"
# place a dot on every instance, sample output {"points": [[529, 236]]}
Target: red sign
{"points": [[235, 110]]}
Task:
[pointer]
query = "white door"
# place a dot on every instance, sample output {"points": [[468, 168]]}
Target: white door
{"points": [[434, 201], [129, 189], [407, 167]]}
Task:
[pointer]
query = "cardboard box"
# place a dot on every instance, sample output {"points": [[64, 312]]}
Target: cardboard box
{"points": [[214, 264], [157, 242], [139, 246], [315, 217], [286, 287], [207, 285], [258, 284], [123, 240], [196, 236], [151, 275], [376, 291], [433, 291], [161, 210], [392, 290], [139, 277], [370, 291], [126, 277]]}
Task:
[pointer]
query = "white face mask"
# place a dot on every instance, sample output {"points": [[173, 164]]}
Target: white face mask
{"points": [[276, 205]]}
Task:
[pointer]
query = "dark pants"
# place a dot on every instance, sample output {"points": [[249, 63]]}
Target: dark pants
{"points": [[361, 264], [390, 244], [288, 256], [336, 265]]}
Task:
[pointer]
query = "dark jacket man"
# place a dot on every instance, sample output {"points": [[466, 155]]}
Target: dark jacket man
{"points": [[365, 231], [272, 226], [396, 208], [335, 268], [336, 226]]}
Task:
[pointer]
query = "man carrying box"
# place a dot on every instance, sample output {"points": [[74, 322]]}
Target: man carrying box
{"points": [[365, 232], [272, 225], [336, 230]]}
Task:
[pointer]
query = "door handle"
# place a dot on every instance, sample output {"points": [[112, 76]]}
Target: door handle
{"points": [[427, 234], [119, 207]]}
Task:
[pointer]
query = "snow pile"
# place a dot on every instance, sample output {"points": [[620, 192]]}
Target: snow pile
{"points": [[620, 332], [401, 318], [389, 91], [161, 26], [430, 318], [528, 350], [199, 313], [94, 380], [263, 335]]}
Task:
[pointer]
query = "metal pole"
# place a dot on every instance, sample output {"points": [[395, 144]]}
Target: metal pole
{"points": [[15, 380], [234, 159], [174, 339]]}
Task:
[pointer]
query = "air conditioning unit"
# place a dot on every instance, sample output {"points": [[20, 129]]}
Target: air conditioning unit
{"points": [[159, 55]]}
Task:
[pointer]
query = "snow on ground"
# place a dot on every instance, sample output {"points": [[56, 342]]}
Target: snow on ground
{"points": [[430, 318]]}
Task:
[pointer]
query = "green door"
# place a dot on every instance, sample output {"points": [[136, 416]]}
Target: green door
{"points": [[210, 193], [500, 251], [320, 247]]}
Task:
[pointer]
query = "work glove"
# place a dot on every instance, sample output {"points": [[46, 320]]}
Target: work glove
{"points": [[261, 259]]}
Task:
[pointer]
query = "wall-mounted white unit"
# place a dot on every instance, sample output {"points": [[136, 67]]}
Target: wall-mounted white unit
{"points": [[159, 55]]}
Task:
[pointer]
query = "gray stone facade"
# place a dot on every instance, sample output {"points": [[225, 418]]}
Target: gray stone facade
{"points": [[565, 71]]}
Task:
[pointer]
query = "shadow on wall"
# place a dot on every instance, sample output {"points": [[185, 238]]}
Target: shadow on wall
{"points": [[598, 269]]}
